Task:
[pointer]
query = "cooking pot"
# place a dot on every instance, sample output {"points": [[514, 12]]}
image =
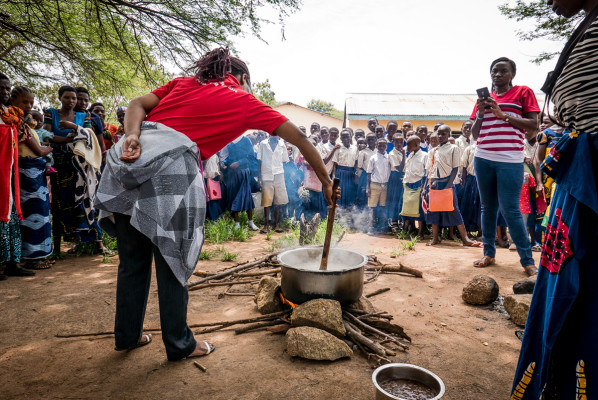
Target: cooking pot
{"points": [[302, 280]]}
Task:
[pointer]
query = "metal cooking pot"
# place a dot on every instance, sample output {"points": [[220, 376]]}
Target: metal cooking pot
{"points": [[406, 371], [302, 280]]}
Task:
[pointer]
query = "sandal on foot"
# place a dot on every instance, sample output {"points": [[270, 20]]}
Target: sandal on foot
{"points": [[148, 340], [475, 243], [484, 262], [43, 264], [210, 348], [431, 243], [531, 270], [536, 247]]}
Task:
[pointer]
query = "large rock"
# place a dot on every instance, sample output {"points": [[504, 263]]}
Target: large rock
{"points": [[363, 305], [315, 344], [517, 305], [322, 314], [266, 296], [525, 286], [480, 290]]}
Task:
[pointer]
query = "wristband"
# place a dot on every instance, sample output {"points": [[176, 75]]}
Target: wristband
{"points": [[506, 119], [478, 117]]}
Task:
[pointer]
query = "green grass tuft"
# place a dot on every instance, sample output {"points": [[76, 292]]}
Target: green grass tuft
{"points": [[223, 229]]}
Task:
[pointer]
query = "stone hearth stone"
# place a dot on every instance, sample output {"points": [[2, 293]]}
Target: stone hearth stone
{"points": [[315, 344]]}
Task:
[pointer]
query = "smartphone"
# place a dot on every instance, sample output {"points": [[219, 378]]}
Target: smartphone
{"points": [[483, 93]]}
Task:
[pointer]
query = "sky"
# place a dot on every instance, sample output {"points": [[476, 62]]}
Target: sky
{"points": [[334, 47]]}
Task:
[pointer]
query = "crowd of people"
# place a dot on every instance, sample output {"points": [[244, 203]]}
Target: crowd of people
{"points": [[389, 178]]}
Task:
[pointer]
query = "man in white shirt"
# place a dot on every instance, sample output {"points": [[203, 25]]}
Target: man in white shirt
{"points": [[271, 155], [378, 170]]}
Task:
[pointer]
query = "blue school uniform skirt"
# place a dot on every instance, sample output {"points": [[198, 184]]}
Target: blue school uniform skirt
{"points": [[36, 231], [394, 197], [559, 350], [238, 190], [361, 199], [445, 218], [347, 185], [471, 205], [316, 203]]}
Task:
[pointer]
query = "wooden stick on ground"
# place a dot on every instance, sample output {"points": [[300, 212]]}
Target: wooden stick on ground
{"points": [[227, 283], [198, 365], [258, 273], [371, 329], [377, 292], [396, 268], [256, 325], [358, 337], [226, 324]]}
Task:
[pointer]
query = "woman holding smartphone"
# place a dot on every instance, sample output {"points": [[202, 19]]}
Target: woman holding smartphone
{"points": [[500, 122]]}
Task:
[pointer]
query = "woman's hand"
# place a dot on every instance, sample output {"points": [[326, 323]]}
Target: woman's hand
{"points": [[131, 149], [494, 108], [481, 106], [67, 125], [327, 189]]}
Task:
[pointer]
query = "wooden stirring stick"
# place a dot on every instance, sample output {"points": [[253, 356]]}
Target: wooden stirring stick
{"points": [[329, 226]]}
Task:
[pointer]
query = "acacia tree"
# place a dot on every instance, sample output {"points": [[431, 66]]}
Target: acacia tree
{"points": [[545, 23], [117, 47], [324, 107], [263, 92]]}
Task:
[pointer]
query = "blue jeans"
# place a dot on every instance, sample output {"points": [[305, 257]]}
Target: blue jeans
{"points": [[136, 252], [500, 187]]}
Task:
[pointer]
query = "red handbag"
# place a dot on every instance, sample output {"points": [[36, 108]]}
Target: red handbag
{"points": [[440, 200], [214, 190]]}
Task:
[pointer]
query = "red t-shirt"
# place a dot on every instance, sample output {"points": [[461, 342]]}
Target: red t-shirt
{"points": [[499, 140], [212, 114]]}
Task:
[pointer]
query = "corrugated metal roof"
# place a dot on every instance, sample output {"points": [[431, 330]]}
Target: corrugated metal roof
{"points": [[361, 105]]}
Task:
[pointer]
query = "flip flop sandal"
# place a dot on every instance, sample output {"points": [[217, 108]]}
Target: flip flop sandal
{"points": [[210, 348], [41, 265], [148, 340], [486, 261], [278, 230], [475, 244], [536, 247]]}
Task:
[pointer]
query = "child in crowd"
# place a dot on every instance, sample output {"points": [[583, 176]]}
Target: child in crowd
{"points": [[327, 147], [406, 127], [359, 134], [413, 181], [422, 134], [391, 129], [464, 140], [443, 165], [345, 162], [293, 179], [361, 144], [45, 137], [271, 156], [238, 158], [361, 176], [379, 131], [433, 141], [315, 202], [378, 173], [470, 205], [120, 115], [211, 170], [395, 183], [36, 229], [372, 124]]}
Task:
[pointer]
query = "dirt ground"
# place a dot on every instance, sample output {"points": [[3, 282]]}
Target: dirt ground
{"points": [[78, 294]]}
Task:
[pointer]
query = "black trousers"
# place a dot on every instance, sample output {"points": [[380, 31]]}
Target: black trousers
{"points": [[132, 288]]}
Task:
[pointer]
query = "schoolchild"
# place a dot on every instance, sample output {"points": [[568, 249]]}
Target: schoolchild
{"points": [[470, 206], [345, 162], [293, 180], [413, 181], [391, 129], [378, 173], [443, 165], [395, 182], [361, 176], [271, 156]]}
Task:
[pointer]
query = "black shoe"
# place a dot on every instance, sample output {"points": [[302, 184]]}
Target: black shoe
{"points": [[19, 271]]}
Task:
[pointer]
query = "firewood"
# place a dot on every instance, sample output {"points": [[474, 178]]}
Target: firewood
{"points": [[213, 284], [381, 314], [358, 337], [258, 273], [280, 328], [377, 292], [256, 325], [237, 294], [225, 324], [387, 327], [396, 268], [359, 323]]}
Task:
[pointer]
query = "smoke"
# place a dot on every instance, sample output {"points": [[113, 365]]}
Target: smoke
{"points": [[354, 218]]}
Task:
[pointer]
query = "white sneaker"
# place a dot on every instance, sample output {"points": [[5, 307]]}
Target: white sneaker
{"points": [[253, 226], [237, 225]]}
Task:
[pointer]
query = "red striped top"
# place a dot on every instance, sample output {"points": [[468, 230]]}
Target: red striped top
{"points": [[500, 141]]}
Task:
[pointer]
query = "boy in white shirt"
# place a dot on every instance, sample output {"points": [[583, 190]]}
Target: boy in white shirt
{"points": [[345, 161], [272, 154], [378, 171]]}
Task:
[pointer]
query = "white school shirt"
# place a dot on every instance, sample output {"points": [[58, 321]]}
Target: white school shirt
{"points": [[529, 151], [379, 167], [212, 169], [442, 160], [415, 167], [462, 143], [272, 161], [396, 158], [364, 157], [324, 149], [345, 156], [468, 157]]}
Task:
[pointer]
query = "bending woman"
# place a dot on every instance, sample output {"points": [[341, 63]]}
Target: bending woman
{"points": [[160, 215], [499, 128], [559, 354]]}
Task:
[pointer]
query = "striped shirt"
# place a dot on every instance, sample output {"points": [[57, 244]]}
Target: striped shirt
{"points": [[499, 140], [576, 90]]}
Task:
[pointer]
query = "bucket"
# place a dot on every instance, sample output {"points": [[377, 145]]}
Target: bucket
{"points": [[410, 372]]}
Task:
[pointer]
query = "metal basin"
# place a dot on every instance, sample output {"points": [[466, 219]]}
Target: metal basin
{"points": [[301, 279], [406, 371]]}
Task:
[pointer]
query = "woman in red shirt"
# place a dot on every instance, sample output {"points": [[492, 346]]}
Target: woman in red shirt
{"points": [[212, 109]]}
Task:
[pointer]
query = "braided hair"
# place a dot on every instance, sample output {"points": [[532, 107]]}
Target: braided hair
{"points": [[18, 91], [216, 64], [507, 60]]}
